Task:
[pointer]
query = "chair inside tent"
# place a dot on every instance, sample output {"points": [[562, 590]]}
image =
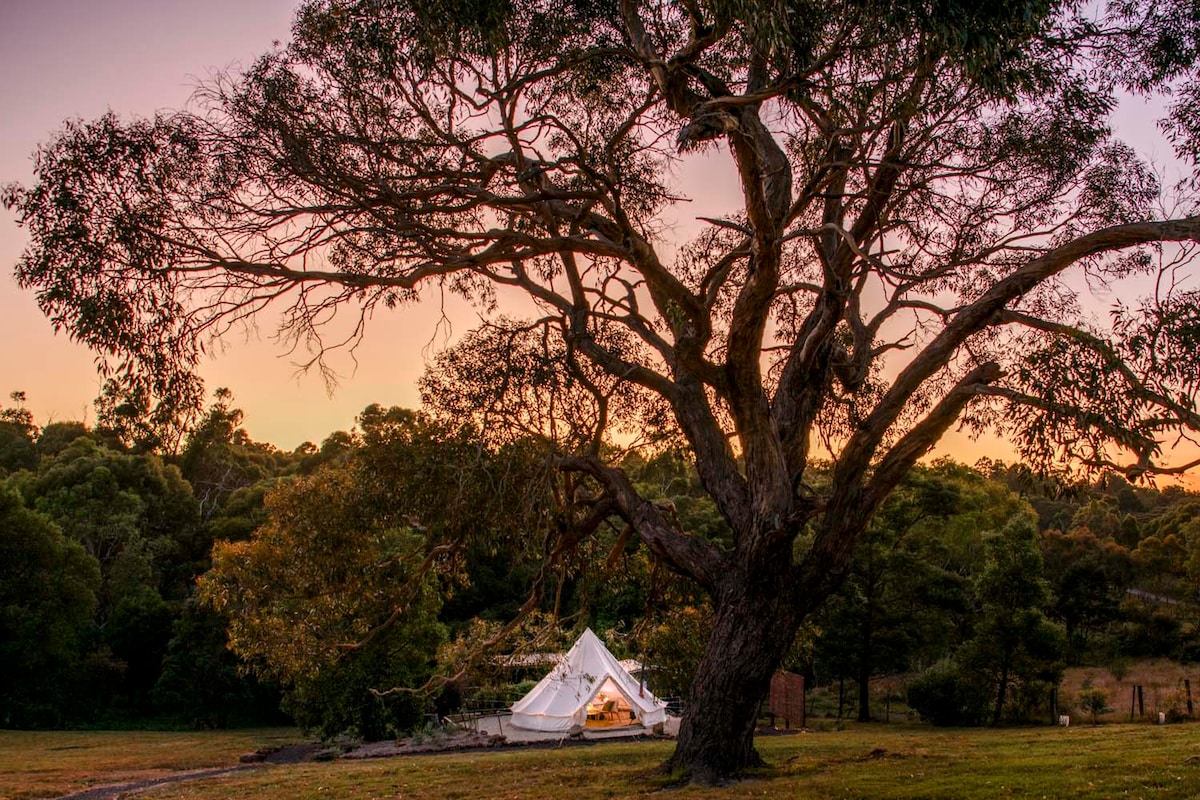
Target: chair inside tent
{"points": [[609, 709]]}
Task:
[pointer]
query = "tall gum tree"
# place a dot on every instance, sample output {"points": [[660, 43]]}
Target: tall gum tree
{"points": [[924, 190]]}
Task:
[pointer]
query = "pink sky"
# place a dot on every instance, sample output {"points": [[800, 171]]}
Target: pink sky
{"points": [[75, 58], [79, 58]]}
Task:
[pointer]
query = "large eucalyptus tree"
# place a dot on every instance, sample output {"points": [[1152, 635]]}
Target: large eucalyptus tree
{"points": [[927, 193]]}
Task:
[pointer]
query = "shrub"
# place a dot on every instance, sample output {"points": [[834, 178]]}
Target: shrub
{"points": [[343, 698], [1092, 700], [945, 695], [1173, 703]]}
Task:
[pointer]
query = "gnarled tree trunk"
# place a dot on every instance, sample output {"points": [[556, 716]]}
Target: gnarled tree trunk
{"points": [[754, 625]]}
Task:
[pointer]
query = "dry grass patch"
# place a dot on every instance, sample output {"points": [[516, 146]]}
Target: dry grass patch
{"points": [[1162, 683], [51, 763]]}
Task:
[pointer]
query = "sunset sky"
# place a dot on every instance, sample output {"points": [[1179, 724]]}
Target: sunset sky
{"points": [[79, 58]]}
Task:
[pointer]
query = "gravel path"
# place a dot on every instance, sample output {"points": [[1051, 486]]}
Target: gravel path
{"points": [[291, 754], [118, 789]]}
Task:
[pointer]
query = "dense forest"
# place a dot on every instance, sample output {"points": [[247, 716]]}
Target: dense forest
{"points": [[223, 581]]}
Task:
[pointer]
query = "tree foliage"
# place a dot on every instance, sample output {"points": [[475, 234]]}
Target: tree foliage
{"points": [[311, 585], [922, 190], [1014, 645], [132, 518], [905, 593], [316, 579], [219, 457], [1010, 653], [48, 587]]}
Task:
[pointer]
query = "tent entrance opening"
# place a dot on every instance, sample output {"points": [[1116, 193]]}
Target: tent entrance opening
{"points": [[609, 709]]}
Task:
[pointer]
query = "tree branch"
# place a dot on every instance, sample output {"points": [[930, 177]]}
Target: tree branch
{"points": [[687, 555]]}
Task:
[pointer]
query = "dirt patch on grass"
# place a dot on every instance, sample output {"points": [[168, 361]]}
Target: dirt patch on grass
{"points": [[118, 789], [284, 754], [291, 754], [451, 742]]}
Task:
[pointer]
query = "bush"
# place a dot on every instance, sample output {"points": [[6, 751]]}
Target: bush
{"points": [[1173, 703], [344, 698], [340, 701], [1029, 702], [1092, 700], [946, 696]]}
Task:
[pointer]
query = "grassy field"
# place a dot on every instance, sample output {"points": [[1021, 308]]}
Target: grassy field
{"points": [[52, 763], [866, 761]]}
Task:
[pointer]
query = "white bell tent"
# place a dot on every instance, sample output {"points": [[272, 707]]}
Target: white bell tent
{"points": [[588, 684]]}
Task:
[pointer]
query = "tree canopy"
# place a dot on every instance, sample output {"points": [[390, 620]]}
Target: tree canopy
{"points": [[315, 579], [926, 192], [48, 590]]}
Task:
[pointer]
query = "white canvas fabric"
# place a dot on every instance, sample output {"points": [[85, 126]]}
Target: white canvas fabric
{"points": [[559, 701]]}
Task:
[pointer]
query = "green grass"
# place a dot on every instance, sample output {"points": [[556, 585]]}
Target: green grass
{"points": [[866, 761], [52, 763]]}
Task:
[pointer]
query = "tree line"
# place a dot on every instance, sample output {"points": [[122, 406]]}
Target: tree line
{"points": [[348, 586], [982, 584]]}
